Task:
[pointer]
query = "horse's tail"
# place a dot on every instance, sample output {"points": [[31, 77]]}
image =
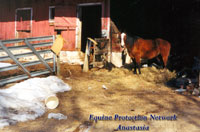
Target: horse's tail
{"points": [[164, 47]]}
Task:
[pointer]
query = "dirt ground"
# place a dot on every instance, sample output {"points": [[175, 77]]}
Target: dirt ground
{"points": [[117, 92]]}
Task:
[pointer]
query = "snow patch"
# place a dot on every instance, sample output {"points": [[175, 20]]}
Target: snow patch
{"points": [[2, 64], [25, 101], [57, 116], [72, 57]]}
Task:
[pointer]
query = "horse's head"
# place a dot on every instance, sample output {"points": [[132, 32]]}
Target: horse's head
{"points": [[123, 38]]}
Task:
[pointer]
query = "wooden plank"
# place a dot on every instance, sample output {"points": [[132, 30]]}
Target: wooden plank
{"points": [[86, 62], [101, 52]]}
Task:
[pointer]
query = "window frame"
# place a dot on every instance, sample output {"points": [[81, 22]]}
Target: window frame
{"points": [[50, 13], [27, 8]]}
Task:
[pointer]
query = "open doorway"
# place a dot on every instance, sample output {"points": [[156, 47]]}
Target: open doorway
{"points": [[91, 23]]}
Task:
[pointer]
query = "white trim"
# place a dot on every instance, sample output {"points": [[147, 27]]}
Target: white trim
{"points": [[31, 19], [109, 19], [90, 4], [77, 28], [50, 7], [15, 23], [108, 28], [27, 8]]}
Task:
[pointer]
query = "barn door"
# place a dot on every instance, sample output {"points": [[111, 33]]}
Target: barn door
{"points": [[65, 17], [89, 23], [23, 22], [65, 24]]}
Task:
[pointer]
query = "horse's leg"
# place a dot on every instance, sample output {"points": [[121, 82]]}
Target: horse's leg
{"points": [[135, 65], [165, 58], [138, 62], [160, 62], [165, 51], [165, 61], [139, 65]]}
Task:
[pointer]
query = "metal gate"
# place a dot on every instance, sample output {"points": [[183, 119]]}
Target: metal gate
{"points": [[36, 47]]}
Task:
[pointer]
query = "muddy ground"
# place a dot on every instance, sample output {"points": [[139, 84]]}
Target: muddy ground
{"points": [[102, 92]]}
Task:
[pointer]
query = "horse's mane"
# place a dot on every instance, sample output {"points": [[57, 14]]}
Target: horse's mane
{"points": [[131, 39]]}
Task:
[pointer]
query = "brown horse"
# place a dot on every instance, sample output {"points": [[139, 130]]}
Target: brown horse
{"points": [[139, 48]]}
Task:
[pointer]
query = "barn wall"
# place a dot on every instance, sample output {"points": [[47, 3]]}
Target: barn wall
{"points": [[106, 17], [40, 23], [7, 20], [40, 18]]}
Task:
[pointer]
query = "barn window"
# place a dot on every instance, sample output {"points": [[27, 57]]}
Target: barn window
{"points": [[23, 19], [51, 13]]}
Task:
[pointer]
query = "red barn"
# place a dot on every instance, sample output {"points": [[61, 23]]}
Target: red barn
{"points": [[75, 20]]}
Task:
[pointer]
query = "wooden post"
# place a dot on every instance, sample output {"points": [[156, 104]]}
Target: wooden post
{"points": [[199, 79], [86, 63], [58, 66], [110, 46]]}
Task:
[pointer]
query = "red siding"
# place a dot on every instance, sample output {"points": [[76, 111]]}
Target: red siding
{"points": [[7, 20], [40, 23], [65, 19], [69, 36]]}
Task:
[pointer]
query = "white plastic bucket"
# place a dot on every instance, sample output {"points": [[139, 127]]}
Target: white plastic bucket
{"points": [[51, 102]]}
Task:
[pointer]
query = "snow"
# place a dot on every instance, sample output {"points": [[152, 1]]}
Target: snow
{"points": [[2, 64], [25, 101], [57, 116], [72, 57]]}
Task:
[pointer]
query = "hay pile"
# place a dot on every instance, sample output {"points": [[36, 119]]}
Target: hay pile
{"points": [[150, 74]]}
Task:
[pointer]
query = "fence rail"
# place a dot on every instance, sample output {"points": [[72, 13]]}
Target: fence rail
{"points": [[27, 44]]}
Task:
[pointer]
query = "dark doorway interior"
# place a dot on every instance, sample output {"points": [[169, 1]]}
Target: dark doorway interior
{"points": [[91, 23]]}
